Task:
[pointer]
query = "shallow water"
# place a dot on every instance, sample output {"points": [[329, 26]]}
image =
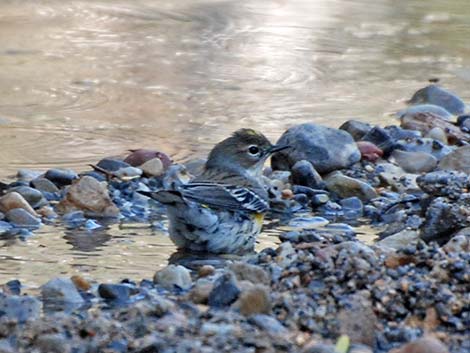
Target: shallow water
{"points": [[80, 80]]}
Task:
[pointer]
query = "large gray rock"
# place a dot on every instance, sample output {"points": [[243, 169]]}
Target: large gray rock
{"points": [[61, 290], [458, 160], [441, 97], [326, 148]]}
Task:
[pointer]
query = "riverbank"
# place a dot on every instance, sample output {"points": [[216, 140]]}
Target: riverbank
{"points": [[321, 289]]}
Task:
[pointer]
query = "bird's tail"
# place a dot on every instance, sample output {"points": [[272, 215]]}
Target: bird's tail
{"points": [[166, 197]]}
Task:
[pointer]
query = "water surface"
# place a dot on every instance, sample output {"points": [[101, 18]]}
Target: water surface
{"points": [[81, 80]]}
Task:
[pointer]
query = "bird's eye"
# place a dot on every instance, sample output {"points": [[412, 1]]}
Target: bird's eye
{"points": [[254, 150]]}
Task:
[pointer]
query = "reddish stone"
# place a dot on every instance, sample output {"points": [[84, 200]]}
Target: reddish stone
{"points": [[369, 151]]}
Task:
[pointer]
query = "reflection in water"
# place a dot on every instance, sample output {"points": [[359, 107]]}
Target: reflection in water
{"points": [[81, 80]]}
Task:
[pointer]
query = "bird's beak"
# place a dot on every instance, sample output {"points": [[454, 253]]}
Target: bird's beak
{"points": [[277, 148]]}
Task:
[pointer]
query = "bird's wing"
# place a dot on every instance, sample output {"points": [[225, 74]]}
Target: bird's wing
{"points": [[230, 197]]}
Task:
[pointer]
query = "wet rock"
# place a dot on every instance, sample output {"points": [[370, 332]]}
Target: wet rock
{"points": [[128, 173], [458, 160], [140, 156], [14, 200], [225, 291], [27, 174], [201, 290], [254, 300], [13, 287], [153, 167], [81, 283], [345, 186], [21, 218], [303, 173], [326, 148], [425, 109], [47, 212], [439, 96], [116, 292], [427, 344], [112, 165], [20, 308], [369, 151], [357, 129], [353, 207], [173, 275], [59, 291], [61, 177], [459, 242], [250, 273], [308, 222], [90, 196], [397, 178], [32, 196], [5, 227], [44, 185], [380, 138], [397, 133], [399, 240], [444, 183], [426, 145], [414, 162], [436, 133], [206, 270]]}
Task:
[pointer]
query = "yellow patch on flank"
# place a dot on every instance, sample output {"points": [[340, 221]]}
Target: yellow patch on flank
{"points": [[258, 218]]}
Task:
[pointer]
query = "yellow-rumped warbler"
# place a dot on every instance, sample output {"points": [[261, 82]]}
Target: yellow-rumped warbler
{"points": [[222, 210]]}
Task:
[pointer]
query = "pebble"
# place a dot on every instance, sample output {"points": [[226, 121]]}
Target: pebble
{"points": [[5, 227], [21, 218], [128, 173], [345, 186], [14, 200], [414, 162], [61, 177], [369, 151], [20, 308], [27, 174], [251, 273], [303, 173], [173, 275], [225, 292], [438, 134], [254, 300], [153, 167], [116, 292], [112, 165], [458, 160], [44, 185], [81, 283], [353, 207], [206, 270], [59, 291], [399, 240], [381, 139], [308, 222], [32, 196], [439, 96], [357, 129], [91, 197]]}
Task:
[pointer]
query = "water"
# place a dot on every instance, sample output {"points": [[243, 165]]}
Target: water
{"points": [[80, 80]]}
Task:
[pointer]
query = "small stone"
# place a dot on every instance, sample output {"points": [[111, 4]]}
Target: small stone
{"points": [[353, 207], [32, 196], [88, 195], [80, 282], [254, 300], [251, 273], [47, 212], [303, 173], [117, 292], [381, 139], [433, 94], [173, 275], [437, 133], [201, 290], [415, 162], [112, 165], [14, 200], [61, 290], [44, 185], [399, 240], [61, 177], [459, 242], [27, 174], [427, 344], [20, 308], [21, 218], [357, 129], [225, 291], [206, 270], [345, 186], [269, 324], [287, 194], [128, 173], [140, 156], [153, 167], [369, 151], [320, 199], [458, 160]]}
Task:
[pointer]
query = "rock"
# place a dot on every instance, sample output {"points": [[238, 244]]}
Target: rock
{"points": [[369, 151], [399, 240], [80, 282], [47, 212], [397, 133], [426, 344], [439, 96], [128, 173], [269, 324], [425, 109], [320, 348], [381, 139], [59, 291], [436, 133], [308, 222], [353, 208], [21, 218], [153, 167], [303, 173], [345, 186], [460, 242], [32, 196], [415, 162], [397, 178], [112, 165], [325, 148], [53, 343], [251, 273], [173, 275], [206, 270], [286, 254], [254, 300], [88, 195], [140, 156], [5, 227], [14, 200], [225, 291], [426, 145], [358, 320], [61, 177], [27, 174], [116, 292], [20, 308], [44, 185], [357, 129], [458, 160], [287, 194], [201, 290]]}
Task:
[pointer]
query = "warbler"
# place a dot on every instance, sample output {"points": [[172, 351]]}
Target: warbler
{"points": [[222, 210]]}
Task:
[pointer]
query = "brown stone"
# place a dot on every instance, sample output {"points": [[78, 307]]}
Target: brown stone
{"points": [[15, 200]]}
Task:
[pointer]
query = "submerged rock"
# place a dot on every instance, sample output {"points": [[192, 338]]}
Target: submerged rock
{"points": [[439, 96], [326, 148]]}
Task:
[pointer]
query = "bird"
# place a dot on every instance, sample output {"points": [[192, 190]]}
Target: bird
{"points": [[221, 211]]}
